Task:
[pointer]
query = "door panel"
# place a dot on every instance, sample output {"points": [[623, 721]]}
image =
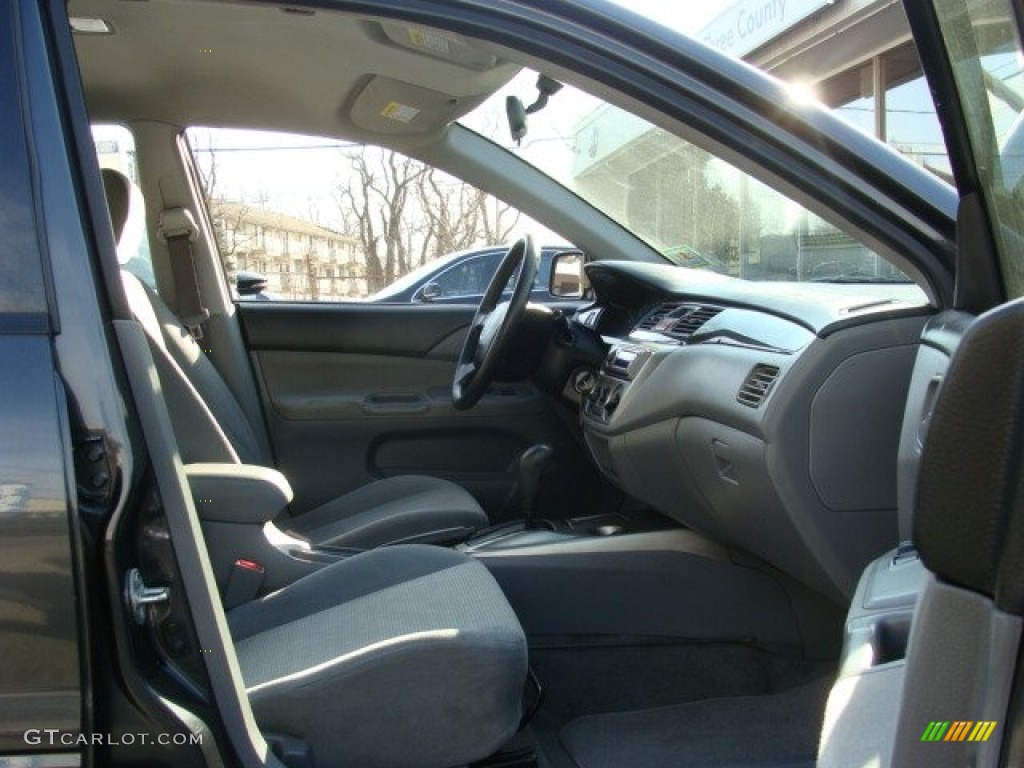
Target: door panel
{"points": [[356, 392], [379, 329]]}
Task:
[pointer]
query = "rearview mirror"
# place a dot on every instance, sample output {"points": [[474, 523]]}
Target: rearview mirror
{"points": [[568, 280], [516, 113]]}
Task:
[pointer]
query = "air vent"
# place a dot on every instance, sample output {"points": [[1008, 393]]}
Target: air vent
{"points": [[691, 322], [657, 315], [758, 384], [678, 321]]}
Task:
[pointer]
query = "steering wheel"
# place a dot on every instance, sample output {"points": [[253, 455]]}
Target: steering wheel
{"points": [[493, 323]]}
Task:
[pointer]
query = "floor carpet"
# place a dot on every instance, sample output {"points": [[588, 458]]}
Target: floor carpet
{"points": [[774, 730]]}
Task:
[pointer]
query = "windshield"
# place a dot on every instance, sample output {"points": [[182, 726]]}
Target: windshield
{"points": [[695, 209]]}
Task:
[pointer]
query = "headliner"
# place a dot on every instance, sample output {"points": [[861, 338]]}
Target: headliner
{"points": [[194, 62]]}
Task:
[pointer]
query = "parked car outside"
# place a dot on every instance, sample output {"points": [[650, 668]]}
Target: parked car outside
{"points": [[252, 286], [462, 278]]}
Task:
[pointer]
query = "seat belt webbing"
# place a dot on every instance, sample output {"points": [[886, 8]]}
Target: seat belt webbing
{"points": [[178, 229]]}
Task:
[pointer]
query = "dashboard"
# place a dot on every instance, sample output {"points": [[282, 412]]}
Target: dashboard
{"points": [[766, 416]]}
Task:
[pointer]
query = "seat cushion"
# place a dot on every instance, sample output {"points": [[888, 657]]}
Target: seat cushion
{"points": [[404, 656], [397, 510]]}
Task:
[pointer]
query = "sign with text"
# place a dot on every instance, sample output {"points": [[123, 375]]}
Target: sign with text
{"points": [[749, 24]]}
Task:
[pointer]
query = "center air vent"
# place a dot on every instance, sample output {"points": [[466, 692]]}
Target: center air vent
{"points": [[758, 384], [678, 321], [656, 316], [691, 322]]}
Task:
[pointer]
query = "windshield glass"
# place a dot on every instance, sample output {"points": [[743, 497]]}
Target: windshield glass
{"points": [[695, 209]]}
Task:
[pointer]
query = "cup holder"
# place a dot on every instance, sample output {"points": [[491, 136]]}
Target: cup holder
{"points": [[890, 638]]}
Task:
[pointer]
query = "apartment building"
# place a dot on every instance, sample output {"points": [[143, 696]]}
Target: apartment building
{"points": [[301, 260]]}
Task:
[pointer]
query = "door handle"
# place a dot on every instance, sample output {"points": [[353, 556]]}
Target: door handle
{"points": [[395, 403]]}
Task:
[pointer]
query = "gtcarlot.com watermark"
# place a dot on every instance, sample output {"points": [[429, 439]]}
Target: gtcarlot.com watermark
{"points": [[53, 737]]}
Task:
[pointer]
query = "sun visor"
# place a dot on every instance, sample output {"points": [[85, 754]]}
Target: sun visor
{"points": [[397, 108], [439, 45]]}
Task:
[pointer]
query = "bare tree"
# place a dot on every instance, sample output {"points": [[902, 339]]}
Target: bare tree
{"points": [[378, 203], [228, 218], [312, 265], [206, 165], [452, 210], [498, 219], [404, 214], [235, 235]]}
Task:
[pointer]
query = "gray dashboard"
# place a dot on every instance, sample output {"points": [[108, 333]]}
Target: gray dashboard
{"points": [[767, 416]]}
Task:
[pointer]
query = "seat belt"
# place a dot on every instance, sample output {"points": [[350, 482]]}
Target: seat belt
{"points": [[178, 229]]}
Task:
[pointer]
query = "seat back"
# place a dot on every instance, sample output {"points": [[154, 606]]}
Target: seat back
{"points": [[209, 424], [969, 528], [947, 700]]}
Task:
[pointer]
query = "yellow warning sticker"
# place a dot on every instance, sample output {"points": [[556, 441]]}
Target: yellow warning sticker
{"points": [[403, 113], [432, 42]]}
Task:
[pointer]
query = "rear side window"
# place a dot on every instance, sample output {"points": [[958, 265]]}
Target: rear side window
{"points": [[115, 149]]}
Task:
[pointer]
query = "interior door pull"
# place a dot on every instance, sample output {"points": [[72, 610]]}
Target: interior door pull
{"points": [[396, 402]]}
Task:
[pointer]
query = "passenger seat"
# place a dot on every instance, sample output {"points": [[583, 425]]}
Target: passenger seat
{"points": [[956, 695], [210, 426]]}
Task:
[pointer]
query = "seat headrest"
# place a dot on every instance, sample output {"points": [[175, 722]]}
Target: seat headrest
{"points": [[969, 514], [118, 189], [127, 213]]}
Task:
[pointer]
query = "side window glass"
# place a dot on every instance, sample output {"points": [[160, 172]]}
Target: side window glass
{"points": [[981, 37], [22, 285], [115, 149], [888, 97], [300, 218], [469, 278]]}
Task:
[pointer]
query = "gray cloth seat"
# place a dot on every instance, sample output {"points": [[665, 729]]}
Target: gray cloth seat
{"points": [[403, 656], [963, 670], [394, 511], [211, 426]]}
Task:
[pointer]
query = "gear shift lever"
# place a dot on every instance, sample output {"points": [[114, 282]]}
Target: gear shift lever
{"points": [[534, 461]]}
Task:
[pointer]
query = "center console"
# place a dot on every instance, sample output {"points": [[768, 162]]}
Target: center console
{"points": [[525, 534], [621, 366], [864, 700], [878, 622]]}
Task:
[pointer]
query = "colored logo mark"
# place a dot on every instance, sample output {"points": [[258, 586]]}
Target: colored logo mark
{"points": [[959, 730]]}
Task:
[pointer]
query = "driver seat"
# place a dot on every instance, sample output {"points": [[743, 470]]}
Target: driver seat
{"points": [[211, 426]]}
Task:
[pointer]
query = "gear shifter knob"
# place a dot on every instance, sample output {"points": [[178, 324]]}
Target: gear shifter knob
{"points": [[534, 461]]}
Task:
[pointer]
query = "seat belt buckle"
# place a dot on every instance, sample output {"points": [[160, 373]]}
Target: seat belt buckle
{"points": [[177, 222], [194, 324], [244, 582]]}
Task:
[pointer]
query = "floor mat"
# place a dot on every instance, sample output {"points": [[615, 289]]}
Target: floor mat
{"points": [[777, 731]]}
